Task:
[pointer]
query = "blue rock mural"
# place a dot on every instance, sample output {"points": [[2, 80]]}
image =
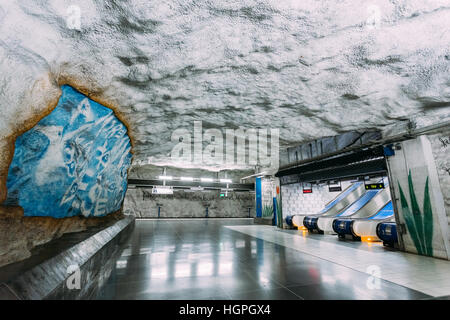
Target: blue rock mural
{"points": [[73, 162]]}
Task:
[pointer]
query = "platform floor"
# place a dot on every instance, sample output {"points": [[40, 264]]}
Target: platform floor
{"points": [[234, 259]]}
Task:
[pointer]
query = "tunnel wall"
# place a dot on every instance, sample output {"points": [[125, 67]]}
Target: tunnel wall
{"points": [[143, 204], [94, 260], [418, 181], [440, 145], [19, 235], [73, 162]]}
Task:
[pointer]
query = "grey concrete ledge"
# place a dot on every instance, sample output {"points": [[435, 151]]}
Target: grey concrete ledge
{"points": [[92, 256], [193, 218], [264, 221]]}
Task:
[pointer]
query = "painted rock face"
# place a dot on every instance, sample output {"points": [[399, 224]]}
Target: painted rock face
{"points": [[73, 162]]}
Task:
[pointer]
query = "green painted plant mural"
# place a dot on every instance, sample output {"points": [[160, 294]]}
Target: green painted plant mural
{"points": [[267, 211], [279, 212], [419, 224]]}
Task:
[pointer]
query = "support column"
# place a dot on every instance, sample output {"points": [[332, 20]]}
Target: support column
{"points": [[419, 199]]}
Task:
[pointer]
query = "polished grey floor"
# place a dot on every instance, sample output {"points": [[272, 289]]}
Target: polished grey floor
{"points": [[202, 259]]}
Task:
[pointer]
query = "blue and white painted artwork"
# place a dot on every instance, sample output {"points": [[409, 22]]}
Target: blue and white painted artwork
{"points": [[73, 162]]}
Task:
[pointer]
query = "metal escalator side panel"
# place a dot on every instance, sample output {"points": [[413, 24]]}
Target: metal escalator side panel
{"points": [[365, 226], [368, 227], [337, 204], [347, 201], [357, 205], [386, 212], [373, 205], [340, 196]]}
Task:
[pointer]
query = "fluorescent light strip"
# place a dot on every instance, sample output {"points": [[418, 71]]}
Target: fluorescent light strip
{"points": [[192, 179]]}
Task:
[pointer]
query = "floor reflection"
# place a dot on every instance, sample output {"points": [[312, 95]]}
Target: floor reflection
{"points": [[201, 259]]}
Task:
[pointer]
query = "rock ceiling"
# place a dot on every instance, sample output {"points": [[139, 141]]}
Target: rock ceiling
{"points": [[309, 68]]}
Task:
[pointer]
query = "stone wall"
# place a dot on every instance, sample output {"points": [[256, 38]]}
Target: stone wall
{"points": [[440, 144], [142, 203], [95, 258], [73, 162], [20, 234]]}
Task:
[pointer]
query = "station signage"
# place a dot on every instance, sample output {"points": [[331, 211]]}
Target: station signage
{"points": [[307, 187], [374, 186], [334, 188], [162, 190]]}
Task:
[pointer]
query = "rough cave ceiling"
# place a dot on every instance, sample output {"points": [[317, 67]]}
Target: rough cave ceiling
{"points": [[310, 68]]}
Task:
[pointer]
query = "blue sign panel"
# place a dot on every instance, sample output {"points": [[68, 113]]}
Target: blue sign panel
{"points": [[258, 197]]}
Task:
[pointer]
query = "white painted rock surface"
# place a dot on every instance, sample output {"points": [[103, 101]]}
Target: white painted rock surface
{"points": [[311, 68]]}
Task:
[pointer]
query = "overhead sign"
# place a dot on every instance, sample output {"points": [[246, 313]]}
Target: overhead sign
{"points": [[307, 187], [374, 186], [334, 186], [162, 190]]}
